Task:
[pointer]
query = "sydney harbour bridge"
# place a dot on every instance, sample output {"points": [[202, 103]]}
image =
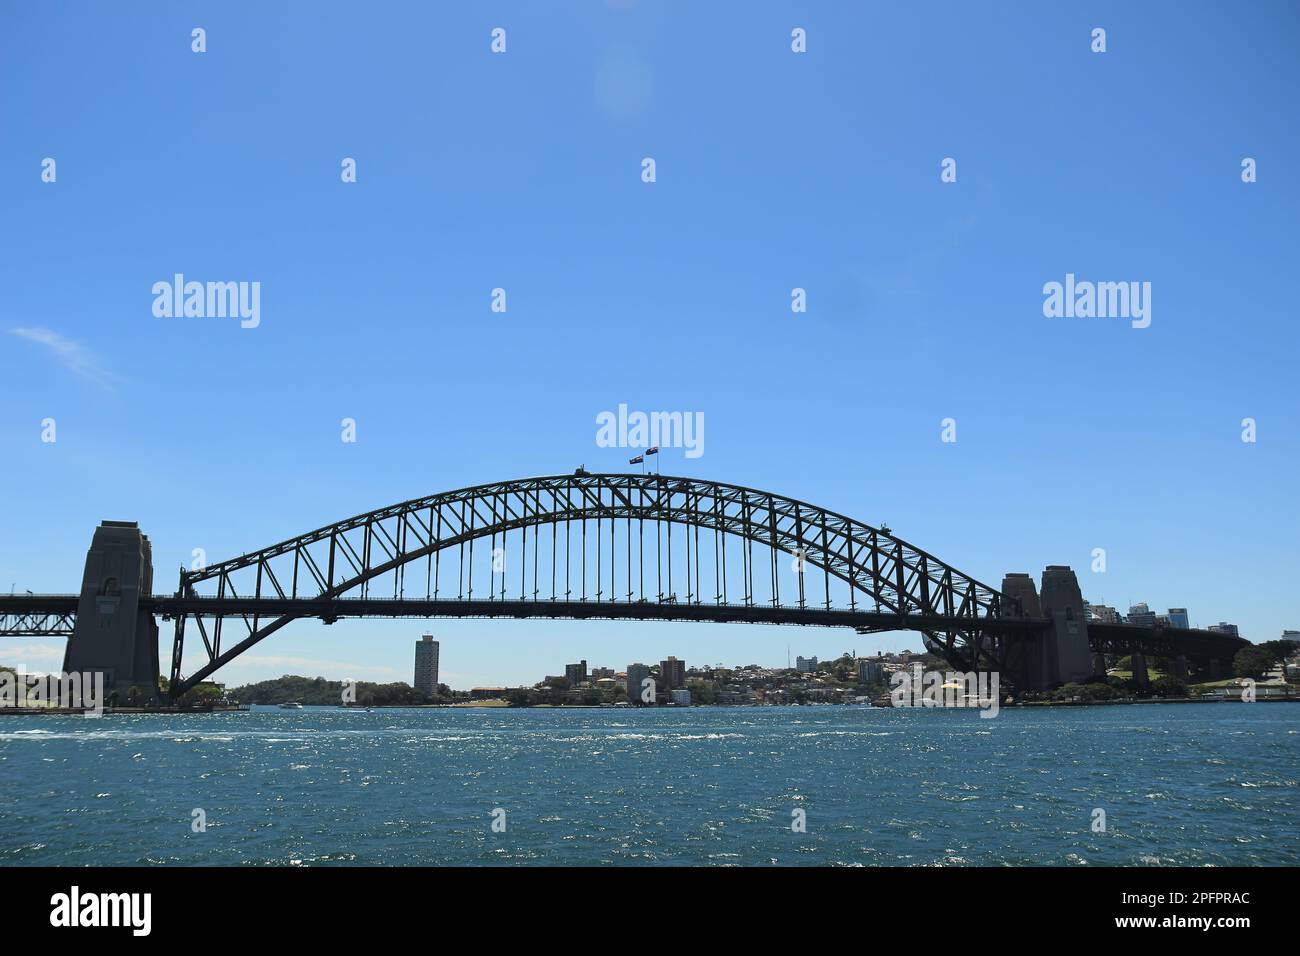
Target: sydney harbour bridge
{"points": [[588, 546]]}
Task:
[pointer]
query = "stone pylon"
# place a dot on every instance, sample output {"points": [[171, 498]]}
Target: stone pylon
{"points": [[1068, 656], [1060, 653], [1024, 655], [112, 634]]}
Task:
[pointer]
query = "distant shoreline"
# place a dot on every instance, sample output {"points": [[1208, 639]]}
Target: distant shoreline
{"points": [[486, 705]]}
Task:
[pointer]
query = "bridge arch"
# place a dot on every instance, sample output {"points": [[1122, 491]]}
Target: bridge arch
{"points": [[870, 578]]}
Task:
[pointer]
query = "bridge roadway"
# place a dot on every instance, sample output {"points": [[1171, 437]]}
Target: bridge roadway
{"points": [[37, 615], [30, 607]]}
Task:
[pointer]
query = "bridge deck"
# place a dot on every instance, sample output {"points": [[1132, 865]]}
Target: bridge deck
{"points": [[1111, 638], [169, 606]]}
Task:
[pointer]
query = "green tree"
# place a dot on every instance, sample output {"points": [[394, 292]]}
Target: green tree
{"points": [[1280, 649], [320, 692], [702, 692], [1168, 686], [1252, 661], [519, 697], [844, 669], [203, 694], [1123, 685], [1088, 691]]}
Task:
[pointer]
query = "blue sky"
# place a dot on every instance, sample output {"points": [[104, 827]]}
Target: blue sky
{"points": [[775, 170]]}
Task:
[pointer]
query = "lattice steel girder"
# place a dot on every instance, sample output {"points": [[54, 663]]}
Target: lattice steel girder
{"points": [[38, 624], [1163, 641], [344, 558]]}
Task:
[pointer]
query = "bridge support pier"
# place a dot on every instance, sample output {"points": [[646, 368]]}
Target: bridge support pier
{"points": [[1140, 676], [1098, 665], [1180, 667], [112, 635]]}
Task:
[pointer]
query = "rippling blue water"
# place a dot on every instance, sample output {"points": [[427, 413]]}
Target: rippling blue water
{"points": [[1180, 784]]}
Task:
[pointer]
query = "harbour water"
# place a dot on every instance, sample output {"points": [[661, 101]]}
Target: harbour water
{"points": [[1186, 785]]}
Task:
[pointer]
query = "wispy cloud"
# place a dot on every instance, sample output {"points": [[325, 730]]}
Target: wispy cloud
{"points": [[74, 356]]}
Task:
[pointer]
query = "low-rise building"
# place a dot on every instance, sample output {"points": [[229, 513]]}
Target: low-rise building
{"points": [[1102, 613], [672, 673], [576, 673], [605, 685], [1141, 615]]}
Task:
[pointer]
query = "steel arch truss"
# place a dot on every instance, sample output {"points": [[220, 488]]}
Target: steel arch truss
{"points": [[543, 534]]}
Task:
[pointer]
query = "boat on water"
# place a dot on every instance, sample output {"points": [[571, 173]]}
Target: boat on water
{"points": [[291, 705]]}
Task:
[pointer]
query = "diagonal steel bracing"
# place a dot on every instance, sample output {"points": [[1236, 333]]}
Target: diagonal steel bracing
{"points": [[643, 541]]}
